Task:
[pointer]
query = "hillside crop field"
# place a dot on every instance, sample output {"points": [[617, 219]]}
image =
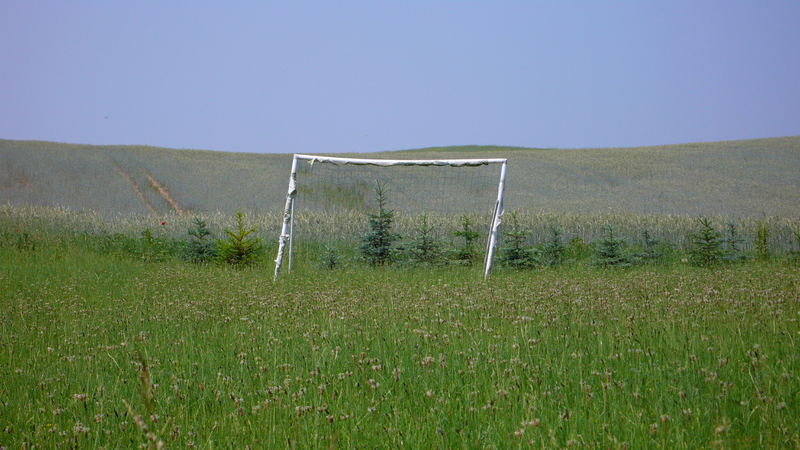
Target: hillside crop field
{"points": [[105, 350], [111, 338], [754, 178]]}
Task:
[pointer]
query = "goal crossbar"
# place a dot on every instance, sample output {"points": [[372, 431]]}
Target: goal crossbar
{"points": [[287, 228]]}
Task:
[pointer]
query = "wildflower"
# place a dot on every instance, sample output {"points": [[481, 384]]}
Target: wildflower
{"points": [[80, 428], [163, 223]]}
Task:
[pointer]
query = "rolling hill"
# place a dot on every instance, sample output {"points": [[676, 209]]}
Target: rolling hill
{"points": [[747, 178]]}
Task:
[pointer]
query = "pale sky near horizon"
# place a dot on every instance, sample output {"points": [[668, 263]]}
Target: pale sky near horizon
{"points": [[353, 76]]}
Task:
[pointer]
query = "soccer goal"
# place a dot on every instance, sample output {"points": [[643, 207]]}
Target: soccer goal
{"points": [[337, 196]]}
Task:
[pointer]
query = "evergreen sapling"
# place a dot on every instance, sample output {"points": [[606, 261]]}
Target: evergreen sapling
{"points": [[376, 246], [553, 251], [733, 244], [240, 248], [609, 251], [706, 245], [200, 248], [466, 253], [515, 251], [424, 248]]}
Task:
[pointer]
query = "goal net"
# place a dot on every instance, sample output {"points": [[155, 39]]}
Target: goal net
{"points": [[330, 200]]}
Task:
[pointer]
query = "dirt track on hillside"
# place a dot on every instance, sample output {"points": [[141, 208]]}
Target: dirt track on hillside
{"points": [[164, 193], [136, 189]]}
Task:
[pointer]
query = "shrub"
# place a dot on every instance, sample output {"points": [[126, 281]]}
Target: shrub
{"points": [[577, 249], [706, 247], [199, 248], [330, 259], [609, 251], [376, 246], [25, 242], [240, 248], [152, 248], [796, 254], [466, 253], [515, 252], [553, 250]]}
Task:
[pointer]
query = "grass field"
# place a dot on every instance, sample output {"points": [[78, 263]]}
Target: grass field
{"points": [[104, 349], [109, 339]]}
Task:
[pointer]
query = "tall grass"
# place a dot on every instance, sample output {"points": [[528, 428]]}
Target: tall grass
{"points": [[104, 350], [349, 226]]}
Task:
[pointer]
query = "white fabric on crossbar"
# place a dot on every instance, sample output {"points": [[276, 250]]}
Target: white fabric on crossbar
{"points": [[401, 162]]}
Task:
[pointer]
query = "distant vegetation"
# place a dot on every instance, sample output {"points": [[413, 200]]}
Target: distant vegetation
{"points": [[752, 178], [527, 240]]}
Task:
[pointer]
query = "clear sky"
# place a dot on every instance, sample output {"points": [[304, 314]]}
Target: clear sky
{"points": [[341, 76]]}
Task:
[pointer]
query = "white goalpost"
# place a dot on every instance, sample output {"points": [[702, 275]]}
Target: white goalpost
{"points": [[286, 238]]}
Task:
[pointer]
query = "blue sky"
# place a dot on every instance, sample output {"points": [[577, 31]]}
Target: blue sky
{"points": [[384, 75]]}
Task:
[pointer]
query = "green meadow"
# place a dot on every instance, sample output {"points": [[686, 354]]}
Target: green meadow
{"points": [[111, 338], [105, 349]]}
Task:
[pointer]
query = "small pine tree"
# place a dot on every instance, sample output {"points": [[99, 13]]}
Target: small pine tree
{"points": [[424, 248], [609, 251], [706, 245], [466, 253], [515, 252], [553, 251], [733, 250], [376, 246], [200, 248], [652, 250], [240, 248], [762, 240]]}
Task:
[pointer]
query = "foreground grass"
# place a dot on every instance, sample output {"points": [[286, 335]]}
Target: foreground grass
{"points": [[103, 350]]}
